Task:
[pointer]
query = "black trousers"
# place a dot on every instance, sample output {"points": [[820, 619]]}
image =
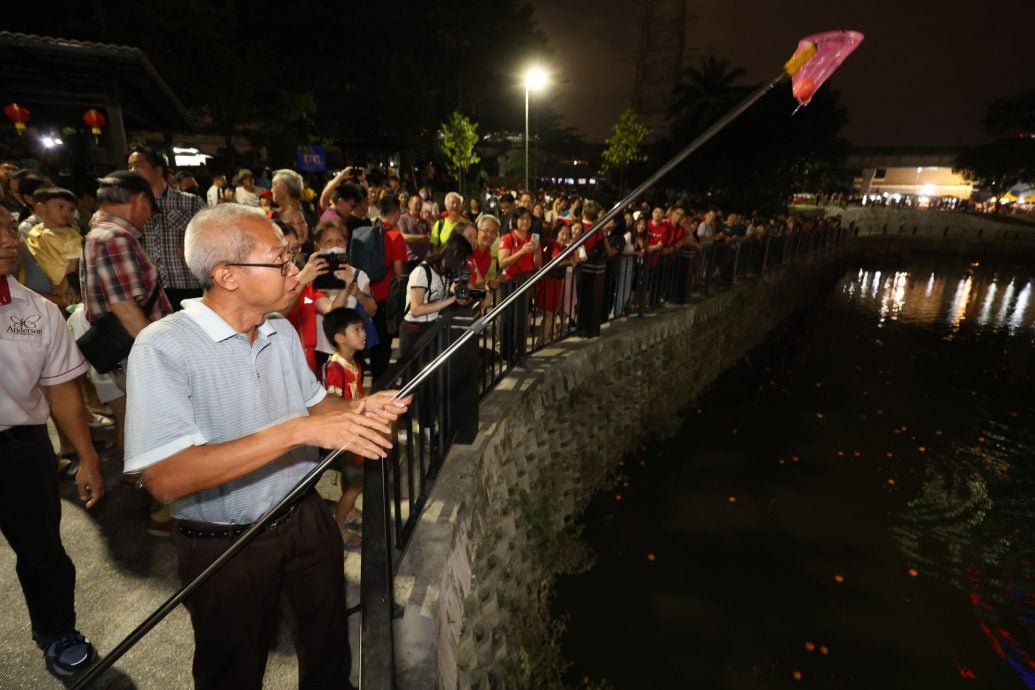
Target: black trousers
{"points": [[30, 519], [296, 569]]}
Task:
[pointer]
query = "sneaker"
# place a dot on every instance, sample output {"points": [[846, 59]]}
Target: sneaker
{"points": [[159, 522], [69, 655]]}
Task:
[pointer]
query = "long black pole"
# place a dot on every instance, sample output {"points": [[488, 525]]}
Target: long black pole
{"points": [[477, 327]]}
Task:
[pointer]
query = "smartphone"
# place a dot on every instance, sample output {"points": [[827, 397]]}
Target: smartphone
{"points": [[535, 237]]}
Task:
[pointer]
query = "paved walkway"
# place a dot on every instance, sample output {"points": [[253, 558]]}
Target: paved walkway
{"points": [[123, 575]]}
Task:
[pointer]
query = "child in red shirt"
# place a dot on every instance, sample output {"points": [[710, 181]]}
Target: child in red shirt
{"points": [[342, 376]]}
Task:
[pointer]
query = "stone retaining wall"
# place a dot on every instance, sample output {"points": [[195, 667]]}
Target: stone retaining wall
{"points": [[550, 437]]}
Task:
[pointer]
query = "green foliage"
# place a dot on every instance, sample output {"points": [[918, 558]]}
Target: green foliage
{"points": [[997, 166], [624, 145], [762, 157], [703, 95], [228, 61], [459, 136], [532, 630]]}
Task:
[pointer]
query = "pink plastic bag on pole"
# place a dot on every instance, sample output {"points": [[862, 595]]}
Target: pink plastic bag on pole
{"points": [[832, 47]]}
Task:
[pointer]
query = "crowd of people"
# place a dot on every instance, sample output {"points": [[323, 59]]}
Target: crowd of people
{"points": [[262, 311]]}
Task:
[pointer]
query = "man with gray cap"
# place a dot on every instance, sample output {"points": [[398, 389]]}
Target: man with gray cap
{"points": [[117, 276]]}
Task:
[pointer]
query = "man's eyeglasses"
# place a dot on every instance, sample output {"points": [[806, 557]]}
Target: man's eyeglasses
{"points": [[284, 266]]}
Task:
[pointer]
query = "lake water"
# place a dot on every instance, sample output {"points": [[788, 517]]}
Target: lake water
{"points": [[851, 507]]}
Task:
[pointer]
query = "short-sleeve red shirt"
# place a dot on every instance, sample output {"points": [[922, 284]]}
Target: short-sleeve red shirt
{"points": [[395, 250], [659, 232], [479, 263], [526, 264]]}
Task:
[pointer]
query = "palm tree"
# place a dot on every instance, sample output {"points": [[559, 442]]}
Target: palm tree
{"points": [[703, 95]]}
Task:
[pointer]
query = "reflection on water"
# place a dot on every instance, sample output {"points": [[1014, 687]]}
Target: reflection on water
{"points": [[921, 301], [866, 486]]}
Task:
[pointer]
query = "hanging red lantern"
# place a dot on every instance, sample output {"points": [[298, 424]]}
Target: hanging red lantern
{"points": [[95, 120], [17, 114]]}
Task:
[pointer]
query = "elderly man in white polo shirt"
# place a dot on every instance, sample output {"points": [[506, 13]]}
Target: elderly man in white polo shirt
{"points": [[40, 365], [224, 417]]}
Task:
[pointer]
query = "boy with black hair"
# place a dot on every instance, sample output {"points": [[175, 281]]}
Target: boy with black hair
{"points": [[56, 243], [342, 375]]}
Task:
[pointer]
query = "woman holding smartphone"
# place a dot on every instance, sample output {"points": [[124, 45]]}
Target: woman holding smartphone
{"points": [[520, 255]]}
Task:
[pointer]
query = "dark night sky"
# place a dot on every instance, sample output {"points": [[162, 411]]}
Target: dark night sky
{"points": [[922, 77]]}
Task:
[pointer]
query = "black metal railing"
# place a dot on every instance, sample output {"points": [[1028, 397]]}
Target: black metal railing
{"points": [[445, 407]]}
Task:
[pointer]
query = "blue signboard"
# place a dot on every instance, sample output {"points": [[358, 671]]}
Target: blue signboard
{"points": [[312, 159]]}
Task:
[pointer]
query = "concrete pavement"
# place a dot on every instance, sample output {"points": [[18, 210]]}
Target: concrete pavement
{"points": [[123, 575]]}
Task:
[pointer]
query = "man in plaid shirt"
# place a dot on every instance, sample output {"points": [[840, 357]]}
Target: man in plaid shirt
{"points": [[163, 234], [117, 276]]}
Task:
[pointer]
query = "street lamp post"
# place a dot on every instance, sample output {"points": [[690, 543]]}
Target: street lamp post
{"points": [[535, 79]]}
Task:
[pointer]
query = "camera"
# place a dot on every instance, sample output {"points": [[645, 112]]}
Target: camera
{"points": [[464, 291], [335, 260]]}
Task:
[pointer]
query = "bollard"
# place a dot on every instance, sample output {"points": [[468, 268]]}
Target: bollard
{"points": [[591, 298], [685, 261], [462, 382]]}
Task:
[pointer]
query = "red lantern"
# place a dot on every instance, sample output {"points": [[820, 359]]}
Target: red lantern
{"points": [[94, 120], [17, 114]]}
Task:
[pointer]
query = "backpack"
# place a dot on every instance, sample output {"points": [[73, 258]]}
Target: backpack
{"points": [[367, 251], [396, 307]]}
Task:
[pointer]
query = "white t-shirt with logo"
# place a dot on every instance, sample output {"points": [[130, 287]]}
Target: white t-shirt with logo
{"points": [[36, 349], [363, 283]]}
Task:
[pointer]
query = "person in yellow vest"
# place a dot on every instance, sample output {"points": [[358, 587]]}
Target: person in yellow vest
{"points": [[443, 227]]}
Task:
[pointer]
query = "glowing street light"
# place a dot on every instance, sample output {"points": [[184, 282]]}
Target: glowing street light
{"points": [[535, 80]]}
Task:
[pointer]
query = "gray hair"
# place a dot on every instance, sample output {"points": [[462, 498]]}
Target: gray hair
{"points": [[214, 237], [488, 217], [292, 181]]}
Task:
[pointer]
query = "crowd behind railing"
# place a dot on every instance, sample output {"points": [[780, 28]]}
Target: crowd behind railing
{"points": [[377, 282]]}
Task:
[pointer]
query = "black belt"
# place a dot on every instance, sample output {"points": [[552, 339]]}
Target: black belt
{"points": [[215, 530], [20, 433]]}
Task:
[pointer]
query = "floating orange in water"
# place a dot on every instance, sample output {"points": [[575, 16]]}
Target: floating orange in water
{"points": [[819, 415], [840, 453], [890, 454], [809, 646], [650, 557], [981, 439], [891, 482], [823, 649], [938, 432], [839, 579], [856, 453], [922, 449], [781, 461], [732, 499], [794, 458], [796, 675], [618, 497], [913, 572]]}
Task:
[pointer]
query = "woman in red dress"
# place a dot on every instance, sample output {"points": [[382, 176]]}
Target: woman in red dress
{"points": [[548, 299]]}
